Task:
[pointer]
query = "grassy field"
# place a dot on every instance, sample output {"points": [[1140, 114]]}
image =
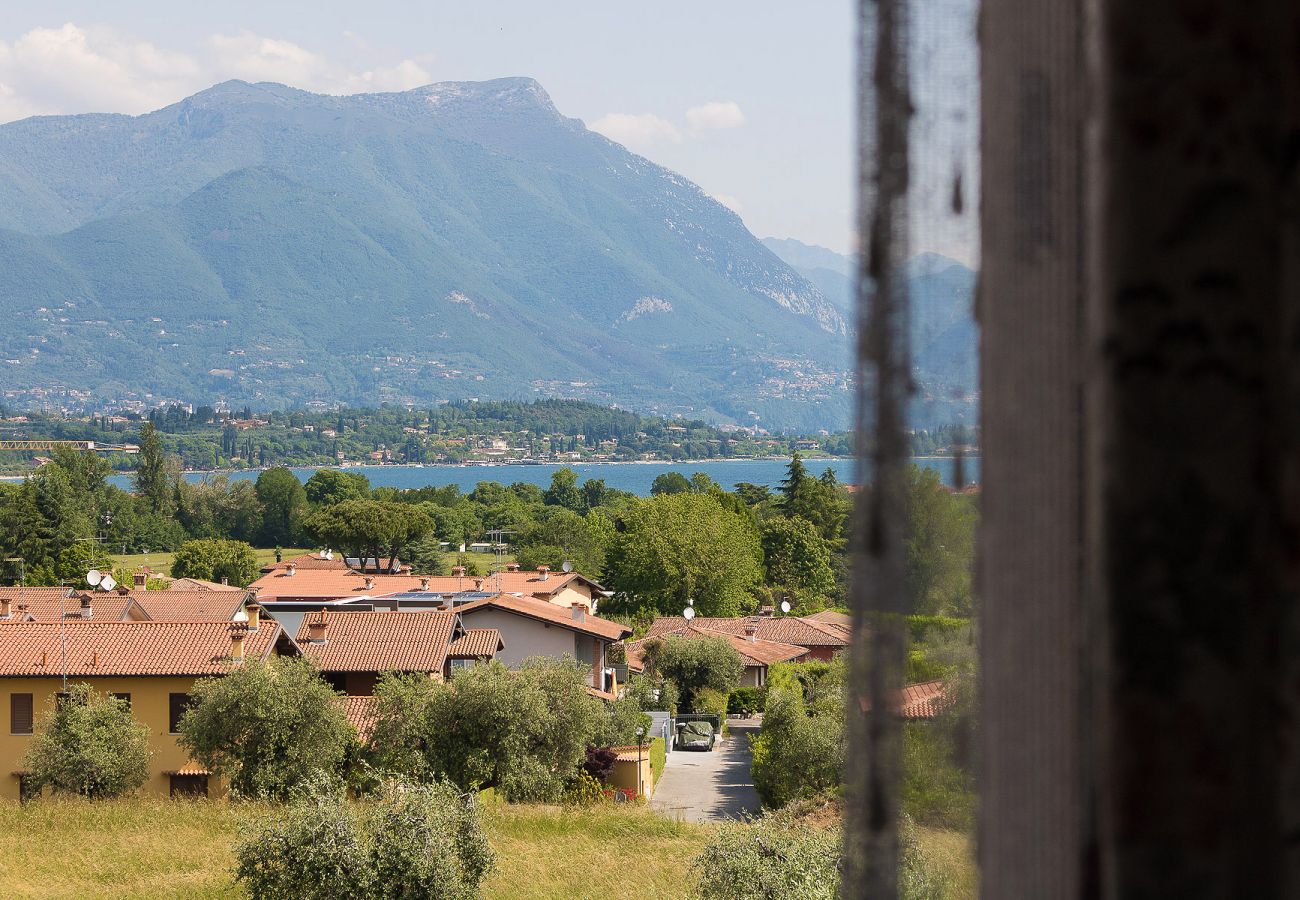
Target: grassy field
{"points": [[159, 848], [161, 561]]}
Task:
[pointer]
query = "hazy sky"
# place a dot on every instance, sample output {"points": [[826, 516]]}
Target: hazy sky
{"points": [[751, 99]]}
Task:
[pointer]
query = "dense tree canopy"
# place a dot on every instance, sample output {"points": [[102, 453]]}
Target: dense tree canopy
{"points": [[284, 506], [370, 529], [676, 547], [216, 559]]}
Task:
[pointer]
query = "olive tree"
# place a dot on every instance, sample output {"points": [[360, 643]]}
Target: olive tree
{"points": [[267, 726], [88, 744]]}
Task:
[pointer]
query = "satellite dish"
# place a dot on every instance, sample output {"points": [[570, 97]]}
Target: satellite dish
{"points": [[94, 577], [785, 606], [567, 567], [107, 583], [689, 613]]}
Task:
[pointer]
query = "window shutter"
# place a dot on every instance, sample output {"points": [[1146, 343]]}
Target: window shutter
{"points": [[20, 713], [177, 704]]}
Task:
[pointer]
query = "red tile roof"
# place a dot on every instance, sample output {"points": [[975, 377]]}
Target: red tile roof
{"points": [[190, 606], [190, 768], [925, 700], [476, 643], [326, 584], [362, 712], [551, 613], [757, 652], [373, 641], [522, 582], [783, 629], [127, 648], [198, 584], [831, 617], [47, 604]]}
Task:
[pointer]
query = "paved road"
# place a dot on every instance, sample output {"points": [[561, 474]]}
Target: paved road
{"points": [[707, 787]]}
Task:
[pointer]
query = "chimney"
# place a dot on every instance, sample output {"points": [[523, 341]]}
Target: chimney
{"points": [[767, 611], [140, 580], [458, 571], [424, 583], [238, 631], [85, 606], [370, 582], [316, 629], [225, 580], [578, 611], [751, 633], [544, 572], [254, 613], [6, 606], [512, 567], [293, 568]]}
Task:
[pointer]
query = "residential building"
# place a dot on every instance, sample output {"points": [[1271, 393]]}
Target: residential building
{"points": [[353, 648], [533, 627], [823, 640], [152, 665]]}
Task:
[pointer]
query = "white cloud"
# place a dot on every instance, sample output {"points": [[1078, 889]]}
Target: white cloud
{"points": [[637, 131], [709, 116], [75, 69], [732, 203]]}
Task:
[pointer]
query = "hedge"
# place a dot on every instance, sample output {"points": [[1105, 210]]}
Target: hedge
{"points": [[658, 757]]}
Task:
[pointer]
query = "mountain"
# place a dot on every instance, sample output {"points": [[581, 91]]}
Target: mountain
{"points": [[264, 245], [945, 337]]}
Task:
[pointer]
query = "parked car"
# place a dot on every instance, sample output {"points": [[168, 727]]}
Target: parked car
{"points": [[695, 736]]}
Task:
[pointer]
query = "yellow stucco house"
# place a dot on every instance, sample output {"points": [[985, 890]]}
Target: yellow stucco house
{"points": [[151, 664]]}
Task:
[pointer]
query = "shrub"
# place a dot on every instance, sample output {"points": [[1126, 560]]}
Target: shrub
{"points": [[798, 755], [586, 791], [770, 858], [417, 841], [936, 790], [600, 763], [707, 700], [745, 699], [426, 841], [88, 744], [311, 850], [267, 726], [658, 756]]}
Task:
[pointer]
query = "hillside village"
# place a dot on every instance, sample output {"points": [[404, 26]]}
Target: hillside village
{"points": [[148, 647]]}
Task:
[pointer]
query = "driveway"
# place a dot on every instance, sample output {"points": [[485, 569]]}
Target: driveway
{"points": [[709, 787]]}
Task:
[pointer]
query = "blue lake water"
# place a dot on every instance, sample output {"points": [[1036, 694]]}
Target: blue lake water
{"points": [[633, 477]]}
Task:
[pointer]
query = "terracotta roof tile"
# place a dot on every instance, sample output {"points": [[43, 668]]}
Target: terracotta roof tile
{"points": [[362, 712], [552, 613], [198, 584], [476, 643], [924, 700], [522, 582], [326, 584], [190, 606], [190, 768], [831, 617], [366, 641], [127, 648], [47, 604], [783, 629]]}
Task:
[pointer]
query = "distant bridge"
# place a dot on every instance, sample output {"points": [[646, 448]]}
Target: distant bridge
{"points": [[72, 445]]}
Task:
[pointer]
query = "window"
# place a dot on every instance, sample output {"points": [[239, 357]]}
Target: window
{"points": [[123, 696], [176, 706], [189, 785], [20, 713]]}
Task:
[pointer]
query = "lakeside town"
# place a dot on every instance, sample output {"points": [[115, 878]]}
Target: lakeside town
{"points": [[677, 657]]}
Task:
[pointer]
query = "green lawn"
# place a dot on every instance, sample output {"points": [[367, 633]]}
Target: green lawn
{"points": [[160, 848], [161, 561]]}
